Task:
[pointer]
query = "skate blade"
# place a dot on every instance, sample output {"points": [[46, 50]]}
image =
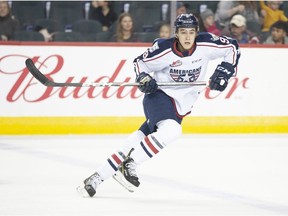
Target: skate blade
{"points": [[82, 192], [118, 176]]}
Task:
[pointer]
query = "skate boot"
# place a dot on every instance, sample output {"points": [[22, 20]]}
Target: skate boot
{"points": [[126, 174], [128, 169], [91, 183]]}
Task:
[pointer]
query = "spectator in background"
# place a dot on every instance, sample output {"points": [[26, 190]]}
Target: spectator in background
{"points": [[271, 14], [251, 13], [225, 11], [207, 17], [165, 30], [197, 15], [284, 7], [44, 31], [278, 35], [103, 12], [237, 30], [124, 29], [249, 9], [181, 8], [8, 24]]}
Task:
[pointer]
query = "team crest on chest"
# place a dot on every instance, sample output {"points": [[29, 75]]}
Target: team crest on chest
{"points": [[176, 63], [181, 75]]}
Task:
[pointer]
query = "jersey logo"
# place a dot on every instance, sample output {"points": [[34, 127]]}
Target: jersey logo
{"points": [[197, 60], [179, 75], [145, 54], [154, 47], [176, 63], [214, 37]]}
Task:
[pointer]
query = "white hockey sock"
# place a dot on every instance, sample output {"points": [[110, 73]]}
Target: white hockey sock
{"points": [[107, 169], [168, 131]]}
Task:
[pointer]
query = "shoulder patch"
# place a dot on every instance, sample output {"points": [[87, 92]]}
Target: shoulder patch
{"points": [[214, 37], [154, 47], [205, 37]]}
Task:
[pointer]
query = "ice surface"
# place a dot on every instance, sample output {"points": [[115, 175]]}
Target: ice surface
{"points": [[197, 175]]}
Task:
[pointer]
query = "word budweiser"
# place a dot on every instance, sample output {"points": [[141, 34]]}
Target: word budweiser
{"points": [[26, 85]]}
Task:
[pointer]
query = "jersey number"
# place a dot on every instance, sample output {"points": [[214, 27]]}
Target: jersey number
{"points": [[224, 40]]}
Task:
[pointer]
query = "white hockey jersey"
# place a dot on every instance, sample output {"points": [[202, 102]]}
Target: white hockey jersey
{"points": [[169, 65]]}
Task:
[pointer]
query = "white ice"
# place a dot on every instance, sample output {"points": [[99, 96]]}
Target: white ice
{"points": [[197, 175]]}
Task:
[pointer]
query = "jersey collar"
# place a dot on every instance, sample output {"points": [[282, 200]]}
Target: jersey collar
{"points": [[185, 53]]}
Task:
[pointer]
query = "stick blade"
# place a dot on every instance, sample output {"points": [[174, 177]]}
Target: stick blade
{"points": [[37, 74]]}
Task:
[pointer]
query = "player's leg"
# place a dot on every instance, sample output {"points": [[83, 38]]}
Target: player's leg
{"points": [[113, 162], [163, 121], [145, 148], [165, 126], [111, 165], [168, 131]]}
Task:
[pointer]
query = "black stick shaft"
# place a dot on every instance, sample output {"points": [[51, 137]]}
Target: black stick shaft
{"points": [[48, 82]]}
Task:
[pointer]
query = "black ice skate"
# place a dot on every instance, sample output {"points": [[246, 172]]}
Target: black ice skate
{"points": [[126, 174], [128, 169], [91, 183]]}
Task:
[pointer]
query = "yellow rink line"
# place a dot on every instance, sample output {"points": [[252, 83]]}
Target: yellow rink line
{"points": [[114, 125]]}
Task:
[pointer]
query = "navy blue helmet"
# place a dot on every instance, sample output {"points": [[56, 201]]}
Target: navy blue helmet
{"points": [[186, 21]]}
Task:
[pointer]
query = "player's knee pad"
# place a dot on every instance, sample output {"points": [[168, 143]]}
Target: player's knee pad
{"points": [[168, 131]]}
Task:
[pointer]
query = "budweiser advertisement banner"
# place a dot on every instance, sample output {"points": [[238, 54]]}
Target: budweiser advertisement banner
{"points": [[258, 89], [254, 101]]}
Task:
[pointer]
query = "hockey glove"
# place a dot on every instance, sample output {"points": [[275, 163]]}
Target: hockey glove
{"points": [[147, 85], [219, 79]]}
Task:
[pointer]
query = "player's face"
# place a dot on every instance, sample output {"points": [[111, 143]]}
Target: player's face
{"points": [[186, 37]]}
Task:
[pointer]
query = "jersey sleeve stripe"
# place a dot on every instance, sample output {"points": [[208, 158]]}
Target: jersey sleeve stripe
{"points": [[225, 47], [136, 68], [152, 59]]}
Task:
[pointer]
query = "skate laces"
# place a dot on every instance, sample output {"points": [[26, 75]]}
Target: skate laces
{"points": [[94, 180], [97, 178], [130, 166]]}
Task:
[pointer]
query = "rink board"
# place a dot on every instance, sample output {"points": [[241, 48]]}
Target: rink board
{"points": [[255, 101], [116, 125]]}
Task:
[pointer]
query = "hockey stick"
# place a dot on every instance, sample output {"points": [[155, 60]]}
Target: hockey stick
{"points": [[48, 82]]}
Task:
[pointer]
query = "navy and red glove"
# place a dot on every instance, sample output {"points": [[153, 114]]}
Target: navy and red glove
{"points": [[219, 79], [147, 84]]}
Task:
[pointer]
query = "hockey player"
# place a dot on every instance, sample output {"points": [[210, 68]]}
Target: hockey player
{"points": [[182, 58]]}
